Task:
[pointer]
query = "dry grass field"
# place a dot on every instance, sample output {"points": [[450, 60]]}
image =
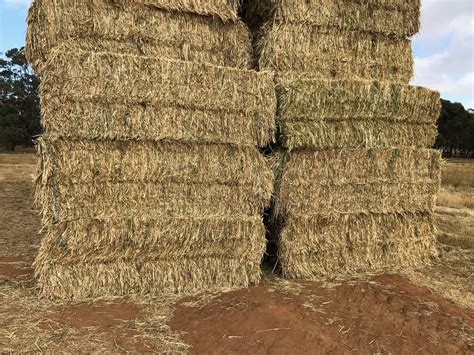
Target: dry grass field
{"points": [[426, 311], [455, 211]]}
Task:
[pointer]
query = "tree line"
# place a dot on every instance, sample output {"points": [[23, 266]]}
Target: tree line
{"points": [[20, 111]]}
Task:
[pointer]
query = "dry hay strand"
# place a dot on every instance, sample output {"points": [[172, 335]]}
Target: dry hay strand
{"points": [[88, 161], [400, 18], [312, 246], [84, 280], [162, 99], [358, 181], [356, 114], [134, 28], [109, 239], [294, 50]]}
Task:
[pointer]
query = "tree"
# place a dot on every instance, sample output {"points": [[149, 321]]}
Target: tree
{"points": [[455, 130], [19, 105]]}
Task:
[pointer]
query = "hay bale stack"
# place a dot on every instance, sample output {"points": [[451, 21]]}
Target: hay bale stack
{"points": [[355, 188], [150, 176]]}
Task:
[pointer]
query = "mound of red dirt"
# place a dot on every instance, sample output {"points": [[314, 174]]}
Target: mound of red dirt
{"points": [[384, 315]]}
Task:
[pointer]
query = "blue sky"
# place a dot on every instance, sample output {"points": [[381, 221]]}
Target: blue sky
{"points": [[443, 51]]}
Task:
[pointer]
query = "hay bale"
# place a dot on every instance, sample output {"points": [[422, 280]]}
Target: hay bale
{"points": [[399, 18], [100, 161], [134, 28], [89, 239], [312, 246], [360, 181], [108, 95], [298, 50], [326, 114], [84, 280]]}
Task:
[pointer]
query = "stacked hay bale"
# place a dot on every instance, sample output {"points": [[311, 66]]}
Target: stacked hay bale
{"points": [[357, 179], [150, 177]]}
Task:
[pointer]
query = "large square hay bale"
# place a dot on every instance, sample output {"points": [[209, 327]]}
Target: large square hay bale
{"points": [[135, 28], [294, 50], [399, 18], [94, 95], [326, 114]]}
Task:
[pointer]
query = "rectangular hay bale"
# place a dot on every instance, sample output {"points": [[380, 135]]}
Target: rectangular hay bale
{"points": [[100, 161], [187, 275], [134, 28], [162, 96], [298, 50], [400, 18], [312, 246], [358, 181], [326, 114]]}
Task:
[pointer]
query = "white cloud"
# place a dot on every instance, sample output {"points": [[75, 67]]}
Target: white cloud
{"points": [[444, 50]]}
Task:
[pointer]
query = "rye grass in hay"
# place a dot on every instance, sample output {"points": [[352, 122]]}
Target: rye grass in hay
{"points": [[134, 28], [98, 161], [297, 49], [95, 239], [325, 114], [398, 18], [84, 280], [339, 244], [358, 181], [96, 95]]}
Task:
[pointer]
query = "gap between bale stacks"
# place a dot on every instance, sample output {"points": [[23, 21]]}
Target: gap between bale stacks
{"points": [[142, 28]]}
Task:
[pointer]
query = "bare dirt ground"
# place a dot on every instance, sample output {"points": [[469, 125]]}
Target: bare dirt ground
{"points": [[422, 311]]}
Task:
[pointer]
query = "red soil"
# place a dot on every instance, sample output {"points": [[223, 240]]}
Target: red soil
{"points": [[389, 316]]}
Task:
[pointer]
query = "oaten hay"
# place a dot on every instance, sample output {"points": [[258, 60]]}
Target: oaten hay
{"points": [[358, 181], [87, 161], [340, 244], [325, 114], [341, 166], [88, 238], [369, 197], [185, 94], [134, 28], [130, 199], [84, 280], [108, 120], [356, 134], [229, 247], [293, 49], [398, 18]]}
